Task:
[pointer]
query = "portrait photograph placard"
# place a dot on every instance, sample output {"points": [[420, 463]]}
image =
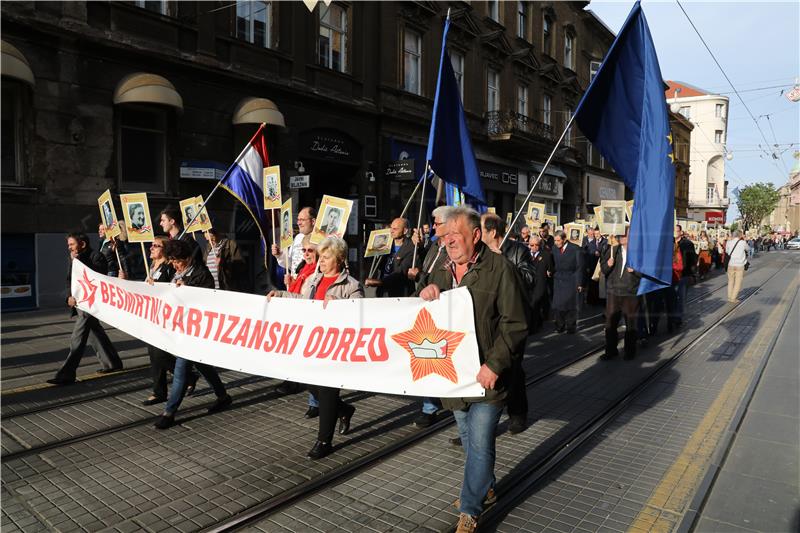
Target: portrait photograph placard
{"points": [[287, 234], [598, 215], [332, 219], [136, 212], [613, 217], [204, 218], [108, 215], [629, 210], [272, 187], [509, 218], [188, 211], [379, 243], [535, 212], [491, 210], [575, 233], [552, 220]]}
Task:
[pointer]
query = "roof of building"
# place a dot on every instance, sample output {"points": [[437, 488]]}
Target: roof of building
{"points": [[686, 90]]}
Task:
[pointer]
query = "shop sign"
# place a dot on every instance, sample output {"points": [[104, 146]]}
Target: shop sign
{"points": [[299, 182], [604, 189], [715, 216], [498, 177], [546, 185], [400, 170], [201, 170], [331, 145]]}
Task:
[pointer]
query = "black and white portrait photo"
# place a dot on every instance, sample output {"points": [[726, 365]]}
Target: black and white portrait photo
{"points": [[136, 212], [332, 220]]}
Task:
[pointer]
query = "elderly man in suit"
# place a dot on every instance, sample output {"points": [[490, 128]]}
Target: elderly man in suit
{"points": [[622, 284], [569, 282], [543, 267]]}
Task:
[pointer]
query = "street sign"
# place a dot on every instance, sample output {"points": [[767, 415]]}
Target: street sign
{"points": [[299, 182]]}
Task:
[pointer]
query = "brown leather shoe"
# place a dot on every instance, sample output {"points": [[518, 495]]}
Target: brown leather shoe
{"points": [[467, 523]]}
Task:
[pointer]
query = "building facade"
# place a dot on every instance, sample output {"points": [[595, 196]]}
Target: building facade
{"points": [[159, 97], [708, 113], [681, 129], [785, 218]]}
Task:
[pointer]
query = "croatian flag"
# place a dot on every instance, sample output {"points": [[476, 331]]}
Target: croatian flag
{"points": [[245, 177]]}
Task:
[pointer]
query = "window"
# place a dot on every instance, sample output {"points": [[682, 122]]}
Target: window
{"points": [[494, 10], [142, 149], [522, 100], [253, 21], [718, 136], [457, 60], [156, 6], [568, 136], [547, 35], [569, 51], [412, 62], [594, 67], [711, 194], [11, 127], [546, 108], [522, 20], [686, 111], [333, 37], [493, 91], [718, 110]]}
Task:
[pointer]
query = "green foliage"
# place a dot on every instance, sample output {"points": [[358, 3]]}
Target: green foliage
{"points": [[756, 202], [734, 226]]}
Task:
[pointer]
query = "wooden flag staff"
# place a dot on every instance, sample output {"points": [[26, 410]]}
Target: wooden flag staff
{"points": [[144, 256]]}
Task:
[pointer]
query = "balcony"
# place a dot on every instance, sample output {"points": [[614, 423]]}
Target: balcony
{"points": [[500, 125]]}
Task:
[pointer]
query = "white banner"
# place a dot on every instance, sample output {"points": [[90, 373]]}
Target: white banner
{"points": [[393, 346]]}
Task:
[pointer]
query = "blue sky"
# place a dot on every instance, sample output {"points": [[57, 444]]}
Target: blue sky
{"points": [[758, 45]]}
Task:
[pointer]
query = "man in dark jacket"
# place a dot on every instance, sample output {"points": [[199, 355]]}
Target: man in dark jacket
{"points": [[492, 230], [394, 266], [592, 248], [622, 284], [544, 267], [501, 331], [547, 240], [170, 221], [87, 328], [569, 279]]}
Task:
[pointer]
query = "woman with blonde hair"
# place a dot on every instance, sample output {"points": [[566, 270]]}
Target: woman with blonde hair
{"points": [[331, 282], [704, 255]]}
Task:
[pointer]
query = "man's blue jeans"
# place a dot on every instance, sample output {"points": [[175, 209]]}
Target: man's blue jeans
{"points": [[429, 406], [179, 378], [680, 293], [476, 427]]}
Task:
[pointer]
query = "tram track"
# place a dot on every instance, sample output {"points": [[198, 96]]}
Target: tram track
{"points": [[343, 472], [516, 487]]}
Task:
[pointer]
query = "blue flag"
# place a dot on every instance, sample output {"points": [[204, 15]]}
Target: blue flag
{"points": [[449, 148], [624, 114]]}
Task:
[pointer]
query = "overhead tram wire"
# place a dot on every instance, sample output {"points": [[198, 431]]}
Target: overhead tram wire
{"points": [[764, 137]]}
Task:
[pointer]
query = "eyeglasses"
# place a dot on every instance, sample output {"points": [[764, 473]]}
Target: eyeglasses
{"points": [[306, 250], [156, 246], [302, 219]]}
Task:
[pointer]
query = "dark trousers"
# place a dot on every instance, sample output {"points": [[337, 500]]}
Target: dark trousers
{"points": [[88, 330], [182, 373], [517, 399], [566, 319], [331, 407], [539, 309], [616, 308], [160, 363]]}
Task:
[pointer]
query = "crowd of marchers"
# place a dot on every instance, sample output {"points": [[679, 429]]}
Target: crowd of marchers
{"points": [[518, 282]]}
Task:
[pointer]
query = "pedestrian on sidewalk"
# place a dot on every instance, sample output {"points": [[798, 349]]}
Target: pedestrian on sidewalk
{"points": [[502, 330], [736, 250], [191, 273], [88, 329]]}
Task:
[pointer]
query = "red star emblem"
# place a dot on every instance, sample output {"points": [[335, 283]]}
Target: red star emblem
{"points": [[431, 348], [89, 289]]}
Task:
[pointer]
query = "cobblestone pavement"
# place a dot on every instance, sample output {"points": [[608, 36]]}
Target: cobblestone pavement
{"points": [[129, 477]]}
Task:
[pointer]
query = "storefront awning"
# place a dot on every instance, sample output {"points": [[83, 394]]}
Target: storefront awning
{"points": [[552, 170], [142, 87], [15, 65], [258, 110]]}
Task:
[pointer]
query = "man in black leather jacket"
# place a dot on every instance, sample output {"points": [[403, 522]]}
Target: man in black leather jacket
{"points": [[492, 231], [622, 285]]}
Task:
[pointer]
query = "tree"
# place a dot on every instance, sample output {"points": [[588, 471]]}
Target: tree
{"points": [[756, 202]]}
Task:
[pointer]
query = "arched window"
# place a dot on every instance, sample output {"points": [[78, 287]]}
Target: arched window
{"points": [[547, 35]]}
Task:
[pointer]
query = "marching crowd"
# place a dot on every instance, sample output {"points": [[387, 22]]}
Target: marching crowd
{"points": [[517, 285]]}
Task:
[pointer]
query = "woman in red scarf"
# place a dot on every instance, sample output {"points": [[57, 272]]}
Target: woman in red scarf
{"points": [[295, 284]]}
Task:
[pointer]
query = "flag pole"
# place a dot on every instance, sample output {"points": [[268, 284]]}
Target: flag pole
{"points": [[421, 207], [541, 173], [235, 161]]}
